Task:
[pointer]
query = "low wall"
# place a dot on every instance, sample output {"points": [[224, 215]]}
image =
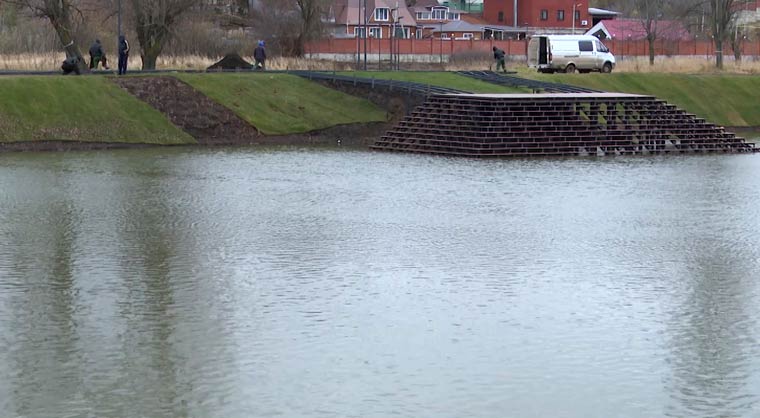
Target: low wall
{"points": [[385, 58]]}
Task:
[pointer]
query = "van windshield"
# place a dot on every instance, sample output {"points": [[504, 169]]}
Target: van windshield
{"points": [[600, 47]]}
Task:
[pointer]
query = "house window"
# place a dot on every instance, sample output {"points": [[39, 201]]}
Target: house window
{"points": [[560, 15], [376, 32], [453, 16], [402, 33], [423, 15], [418, 33], [577, 15], [360, 32], [381, 15], [467, 36], [501, 16], [544, 14], [440, 13]]}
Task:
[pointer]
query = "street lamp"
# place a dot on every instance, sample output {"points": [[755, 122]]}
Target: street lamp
{"points": [[574, 6]]}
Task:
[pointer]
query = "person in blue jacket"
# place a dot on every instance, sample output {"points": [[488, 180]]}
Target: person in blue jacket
{"points": [[260, 57]]}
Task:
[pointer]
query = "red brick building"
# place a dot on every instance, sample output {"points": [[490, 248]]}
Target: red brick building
{"points": [[539, 13]]}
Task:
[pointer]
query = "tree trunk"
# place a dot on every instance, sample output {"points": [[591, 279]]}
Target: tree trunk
{"points": [[299, 45], [650, 41], [151, 43], [719, 53], [149, 60], [62, 26], [736, 45], [150, 55]]}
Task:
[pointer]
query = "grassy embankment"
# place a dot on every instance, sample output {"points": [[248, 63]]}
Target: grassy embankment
{"points": [[443, 79], [89, 109], [725, 99], [279, 104], [93, 109]]}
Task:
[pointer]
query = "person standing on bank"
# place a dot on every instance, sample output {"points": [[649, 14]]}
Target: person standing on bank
{"points": [[97, 56], [498, 56], [123, 54], [260, 57]]}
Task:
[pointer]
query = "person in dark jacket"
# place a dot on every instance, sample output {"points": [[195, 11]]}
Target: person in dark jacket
{"points": [[260, 57], [123, 54], [70, 65], [499, 56], [97, 56]]}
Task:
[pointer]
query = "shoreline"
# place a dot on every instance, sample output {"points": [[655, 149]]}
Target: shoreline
{"points": [[357, 135]]}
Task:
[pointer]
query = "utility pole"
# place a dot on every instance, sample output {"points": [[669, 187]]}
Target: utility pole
{"points": [[392, 35], [357, 33], [365, 35], [441, 35], [398, 44], [514, 11], [118, 26]]}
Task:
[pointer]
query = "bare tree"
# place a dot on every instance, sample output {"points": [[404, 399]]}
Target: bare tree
{"points": [[658, 17], [739, 36], [154, 21], [724, 21], [291, 24], [311, 12], [649, 13], [62, 15]]}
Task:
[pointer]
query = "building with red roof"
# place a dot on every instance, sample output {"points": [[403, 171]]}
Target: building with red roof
{"points": [[634, 30]]}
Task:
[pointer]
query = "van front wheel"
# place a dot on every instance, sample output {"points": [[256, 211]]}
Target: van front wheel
{"points": [[570, 69], [607, 68]]}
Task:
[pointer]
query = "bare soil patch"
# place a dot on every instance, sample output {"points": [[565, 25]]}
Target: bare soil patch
{"points": [[206, 120]]}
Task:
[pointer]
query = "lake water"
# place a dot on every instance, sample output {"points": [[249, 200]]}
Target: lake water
{"points": [[330, 282]]}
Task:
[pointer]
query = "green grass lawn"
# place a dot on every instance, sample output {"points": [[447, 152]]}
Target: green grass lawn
{"points": [[90, 109], [443, 79], [279, 104], [728, 100]]}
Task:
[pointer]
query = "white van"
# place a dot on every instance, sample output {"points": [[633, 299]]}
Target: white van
{"points": [[568, 53]]}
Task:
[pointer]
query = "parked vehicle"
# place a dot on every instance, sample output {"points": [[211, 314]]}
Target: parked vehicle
{"points": [[569, 53]]}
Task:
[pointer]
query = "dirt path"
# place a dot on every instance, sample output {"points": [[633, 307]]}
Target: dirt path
{"points": [[190, 110]]}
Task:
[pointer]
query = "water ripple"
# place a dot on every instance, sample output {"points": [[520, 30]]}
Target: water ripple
{"points": [[303, 282]]}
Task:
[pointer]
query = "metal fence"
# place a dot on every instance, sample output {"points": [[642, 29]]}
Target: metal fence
{"points": [[446, 48]]}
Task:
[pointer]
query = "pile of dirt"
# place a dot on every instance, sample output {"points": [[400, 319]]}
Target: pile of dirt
{"points": [[231, 62], [205, 120]]}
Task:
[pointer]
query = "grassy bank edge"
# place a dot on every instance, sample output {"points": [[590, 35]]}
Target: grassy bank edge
{"points": [[284, 104], [725, 99], [81, 109]]}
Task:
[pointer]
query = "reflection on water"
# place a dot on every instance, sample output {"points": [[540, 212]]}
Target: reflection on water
{"points": [[257, 282]]}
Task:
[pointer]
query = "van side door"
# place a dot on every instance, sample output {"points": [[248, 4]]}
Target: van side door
{"points": [[587, 58]]}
